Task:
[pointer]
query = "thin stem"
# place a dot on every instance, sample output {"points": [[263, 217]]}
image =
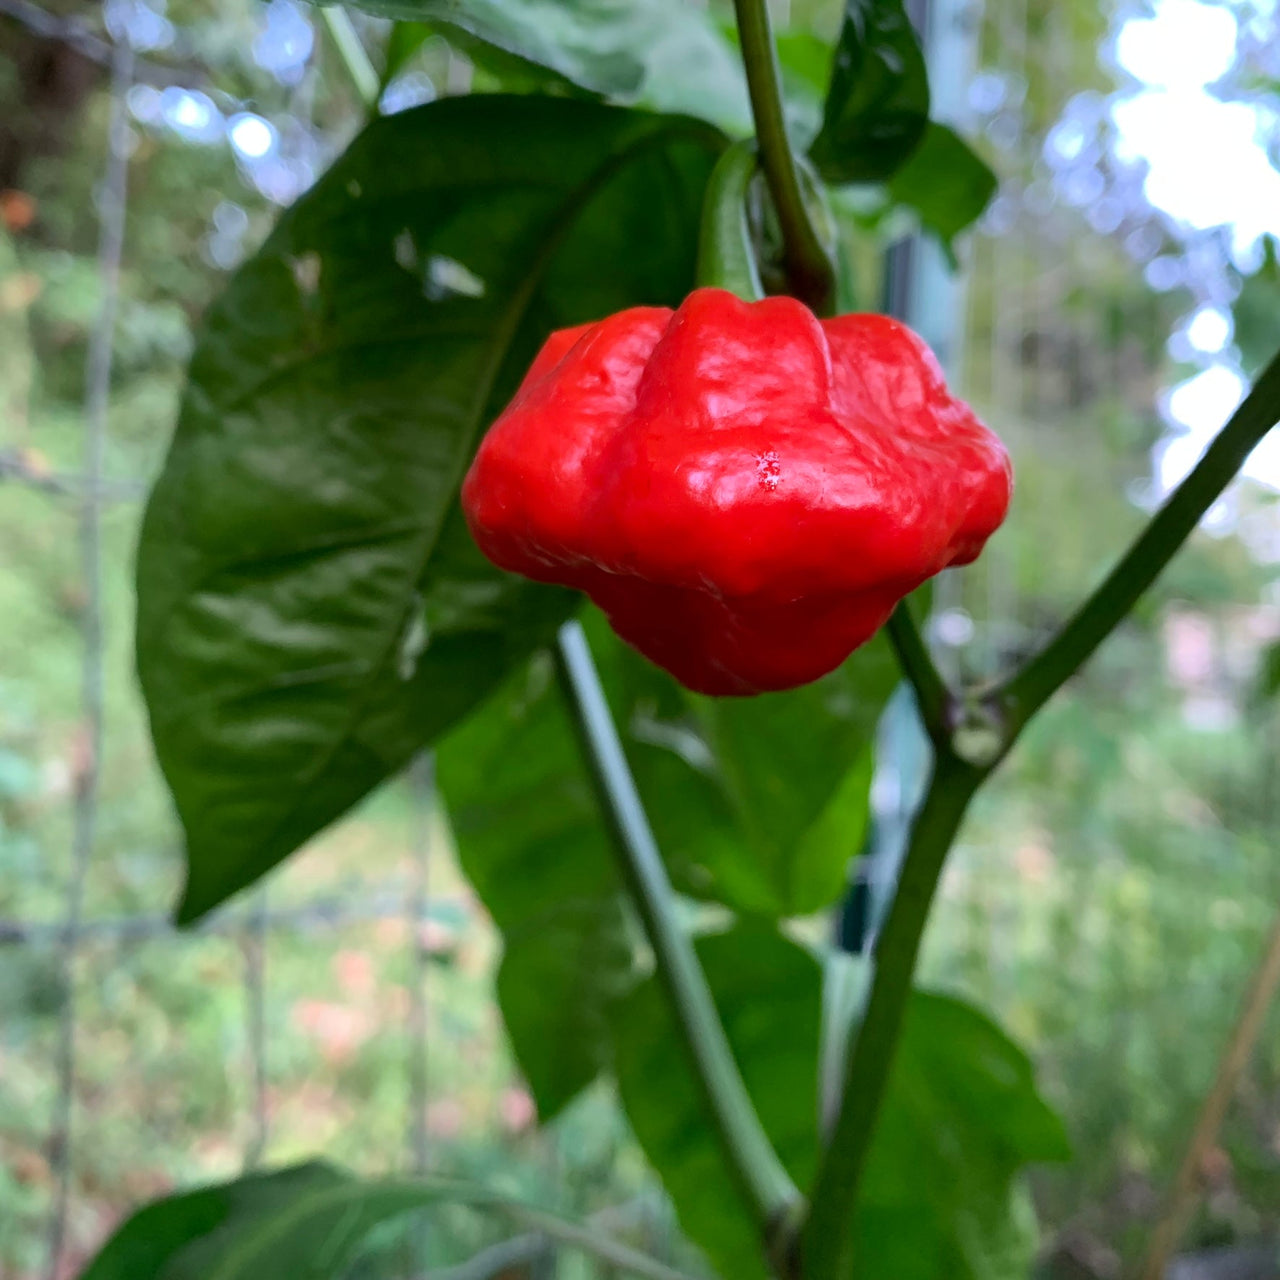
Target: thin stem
{"points": [[808, 267], [933, 698], [771, 1194], [1231, 1065], [346, 40], [506, 1258], [593, 1244], [1154, 547], [98, 370], [827, 1243]]}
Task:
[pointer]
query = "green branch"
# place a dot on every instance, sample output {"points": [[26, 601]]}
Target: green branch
{"points": [[594, 1244], [933, 699], [809, 269], [827, 1238], [346, 40], [770, 1192], [1158, 543]]}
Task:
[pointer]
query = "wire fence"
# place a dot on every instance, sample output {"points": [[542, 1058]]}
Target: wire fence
{"points": [[88, 492], [112, 209]]}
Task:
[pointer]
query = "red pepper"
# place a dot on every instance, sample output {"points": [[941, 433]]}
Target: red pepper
{"points": [[745, 490]]}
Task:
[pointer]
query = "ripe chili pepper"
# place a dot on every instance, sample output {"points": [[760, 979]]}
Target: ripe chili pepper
{"points": [[746, 491]]}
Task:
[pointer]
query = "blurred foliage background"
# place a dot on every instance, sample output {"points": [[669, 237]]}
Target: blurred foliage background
{"points": [[1111, 891]]}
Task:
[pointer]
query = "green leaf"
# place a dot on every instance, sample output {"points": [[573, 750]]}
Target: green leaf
{"points": [[1256, 311], [495, 69], [403, 43], [264, 1224], [311, 608], [963, 1103], [961, 1118], [945, 182], [533, 845], [878, 99], [663, 54], [309, 1222], [758, 803], [558, 976], [1268, 679]]}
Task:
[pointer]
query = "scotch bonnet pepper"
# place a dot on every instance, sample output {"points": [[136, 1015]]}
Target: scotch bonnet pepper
{"points": [[746, 491]]}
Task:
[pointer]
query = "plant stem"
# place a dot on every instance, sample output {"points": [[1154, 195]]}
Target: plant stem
{"points": [[595, 1245], [933, 698], [827, 1242], [1234, 1059], [772, 1196], [809, 270], [346, 39], [1154, 547], [826, 1239]]}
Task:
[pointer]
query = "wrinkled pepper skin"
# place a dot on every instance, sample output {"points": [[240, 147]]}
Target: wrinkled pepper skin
{"points": [[746, 491]]}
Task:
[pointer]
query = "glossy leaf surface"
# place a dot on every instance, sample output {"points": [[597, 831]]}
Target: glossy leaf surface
{"points": [[946, 182], [878, 100], [758, 803], [531, 841], [306, 1222], [312, 611], [309, 1222], [663, 54], [961, 1118]]}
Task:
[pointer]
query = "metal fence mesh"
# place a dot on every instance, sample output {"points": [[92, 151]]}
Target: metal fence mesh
{"points": [[81, 937]]}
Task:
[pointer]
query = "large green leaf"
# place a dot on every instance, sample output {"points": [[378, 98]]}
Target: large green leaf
{"points": [[961, 1118], [311, 609], [664, 54], [878, 99], [945, 182], [309, 1222], [494, 69], [758, 803], [532, 842], [962, 1104], [186, 1234]]}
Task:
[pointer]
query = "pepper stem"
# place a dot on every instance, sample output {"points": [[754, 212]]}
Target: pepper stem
{"points": [[809, 269], [771, 1195], [359, 68], [827, 1246], [933, 698]]}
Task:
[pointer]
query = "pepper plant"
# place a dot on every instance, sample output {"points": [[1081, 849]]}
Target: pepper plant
{"points": [[313, 612]]}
